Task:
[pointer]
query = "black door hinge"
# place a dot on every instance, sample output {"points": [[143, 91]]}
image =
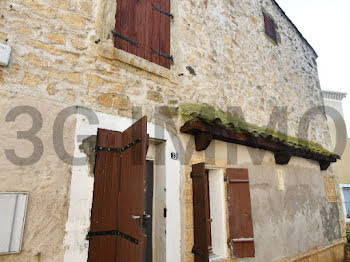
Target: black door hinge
{"points": [[200, 254], [162, 11], [196, 175], [171, 58], [116, 34], [111, 232], [118, 149]]}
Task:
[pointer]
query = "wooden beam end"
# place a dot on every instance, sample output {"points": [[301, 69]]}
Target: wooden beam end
{"points": [[202, 141], [282, 158], [324, 165]]}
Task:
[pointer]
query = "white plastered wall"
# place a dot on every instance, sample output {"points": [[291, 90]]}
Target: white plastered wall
{"points": [[81, 190], [218, 213], [156, 153], [343, 200]]}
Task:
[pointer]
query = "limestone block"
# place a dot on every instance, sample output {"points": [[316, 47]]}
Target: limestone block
{"points": [[56, 38], [31, 80]]}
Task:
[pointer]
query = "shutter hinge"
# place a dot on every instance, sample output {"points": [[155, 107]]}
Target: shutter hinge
{"points": [[171, 58], [112, 232], [118, 149], [162, 11], [196, 175], [125, 38], [200, 254], [237, 181], [242, 240]]}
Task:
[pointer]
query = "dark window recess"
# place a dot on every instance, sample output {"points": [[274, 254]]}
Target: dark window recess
{"points": [[143, 28], [270, 28]]}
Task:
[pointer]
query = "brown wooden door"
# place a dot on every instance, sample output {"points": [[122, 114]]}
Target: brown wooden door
{"points": [[240, 213], [117, 216], [200, 213]]}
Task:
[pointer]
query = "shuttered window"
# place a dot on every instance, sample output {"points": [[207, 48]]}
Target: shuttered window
{"points": [[240, 213], [270, 28], [200, 213], [143, 28]]}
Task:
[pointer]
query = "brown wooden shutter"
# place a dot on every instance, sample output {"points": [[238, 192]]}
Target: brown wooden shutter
{"points": [[119, 195], [141, 22], [159, 32], [200, 213], [105, 199], [130, 24], [240, 213], [270, 28], [164, 33]]}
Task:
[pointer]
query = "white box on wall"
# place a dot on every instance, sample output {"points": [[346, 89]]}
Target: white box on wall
{"points": [[13, 209], [5, 53]]}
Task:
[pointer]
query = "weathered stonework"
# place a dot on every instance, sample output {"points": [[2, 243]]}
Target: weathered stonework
{"points": [[245, 71]]}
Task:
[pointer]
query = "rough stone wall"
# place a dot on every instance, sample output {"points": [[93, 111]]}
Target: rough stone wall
{"points": [[55, 57], [225, 43]]}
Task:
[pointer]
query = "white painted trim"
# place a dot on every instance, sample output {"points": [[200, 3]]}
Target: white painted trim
{"points": [[81, 190], [342, 199], [332, 100], [218, 213]]}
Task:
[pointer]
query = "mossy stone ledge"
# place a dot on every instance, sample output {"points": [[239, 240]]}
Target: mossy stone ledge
{"points": [[214, 117]]}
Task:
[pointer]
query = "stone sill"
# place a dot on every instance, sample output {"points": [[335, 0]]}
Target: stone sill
{"points": [[107, 50]]}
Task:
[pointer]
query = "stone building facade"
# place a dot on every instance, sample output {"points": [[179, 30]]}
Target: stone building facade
{"points": [[63, 60]]}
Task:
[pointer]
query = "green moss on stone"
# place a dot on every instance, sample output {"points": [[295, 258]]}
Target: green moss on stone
{"points": [[212, 115], [154, 96], [168, 111]]}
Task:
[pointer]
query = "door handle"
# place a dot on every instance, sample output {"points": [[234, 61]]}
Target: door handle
{"points": [[137, 218]]}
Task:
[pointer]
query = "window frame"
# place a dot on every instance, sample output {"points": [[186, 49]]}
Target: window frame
{"points": [[218, 203], [144, 30], [343, 200], [103, 42], [271, 35], [25, 210]]}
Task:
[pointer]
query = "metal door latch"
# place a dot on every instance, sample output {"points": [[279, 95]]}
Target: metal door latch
{"points": [[145, 216], [144, 219]]}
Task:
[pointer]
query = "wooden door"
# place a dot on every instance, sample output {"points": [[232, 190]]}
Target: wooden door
{"points": [[118, 209]]}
